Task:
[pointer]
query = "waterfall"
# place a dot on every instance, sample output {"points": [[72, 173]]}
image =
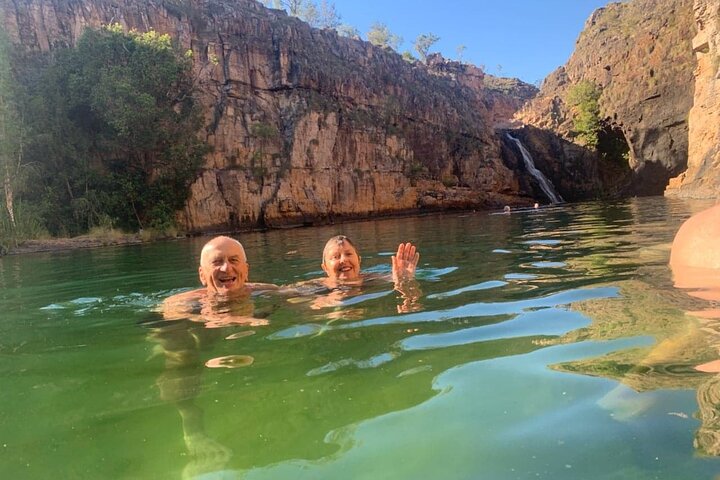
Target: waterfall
{"points": [[545, 185]]}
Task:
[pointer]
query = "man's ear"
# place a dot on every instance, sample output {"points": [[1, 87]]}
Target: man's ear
{"points": [[202, 277], [324, 267]]}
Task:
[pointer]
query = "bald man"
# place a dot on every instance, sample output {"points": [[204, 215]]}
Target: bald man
{"points": [[223, 272]]}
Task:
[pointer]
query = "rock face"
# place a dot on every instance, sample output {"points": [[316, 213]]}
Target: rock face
{"points": [[640, 55], [307, 126], [702, 178]]}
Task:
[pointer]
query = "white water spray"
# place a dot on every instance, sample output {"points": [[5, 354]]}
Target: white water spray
{"points": [[545, 185]]}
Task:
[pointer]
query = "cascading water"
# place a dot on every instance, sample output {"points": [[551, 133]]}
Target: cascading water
{"points": [[545, 185]]}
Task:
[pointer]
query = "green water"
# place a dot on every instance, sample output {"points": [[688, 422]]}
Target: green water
{"points": [[546, 344]]}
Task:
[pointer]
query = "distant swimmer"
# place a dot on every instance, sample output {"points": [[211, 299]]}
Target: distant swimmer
{"points": [[506, 210], [223, 272], [536, 206]]}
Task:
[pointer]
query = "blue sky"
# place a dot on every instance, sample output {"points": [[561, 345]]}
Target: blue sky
{"points": [[526, 39]]}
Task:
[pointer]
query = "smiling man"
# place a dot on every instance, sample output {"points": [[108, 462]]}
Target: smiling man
{"points": [[223, 273]]}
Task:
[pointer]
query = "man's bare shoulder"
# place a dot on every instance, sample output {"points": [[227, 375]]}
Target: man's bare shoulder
{"points": [[258, 287], [188, 296]]}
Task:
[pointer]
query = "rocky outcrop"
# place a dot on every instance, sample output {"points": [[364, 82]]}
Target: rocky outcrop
{"points": [[307, 126], [640, 56], [702, 178]]}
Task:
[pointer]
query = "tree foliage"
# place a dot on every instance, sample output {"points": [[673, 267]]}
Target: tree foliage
{"points": [[583, 98], [14, 168], [349, 31], [422, 44], [460, 51], [380, 35], [319, 15], [115, 133]]}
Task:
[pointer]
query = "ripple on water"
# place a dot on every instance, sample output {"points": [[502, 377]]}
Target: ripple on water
{"points": [[371, 362], [230, 361], [470, 288], [521, 276], [237, 335], [543, 242], [297, 331], [546, 265]]}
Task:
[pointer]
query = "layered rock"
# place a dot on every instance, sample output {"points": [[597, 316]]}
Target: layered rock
{"points": [[639, 55], [307, 126], [702, 178]]}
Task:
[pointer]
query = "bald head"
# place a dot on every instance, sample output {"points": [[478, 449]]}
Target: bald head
{"points": [[695, 254], [223, 265], [697, 243], [221, 242]]}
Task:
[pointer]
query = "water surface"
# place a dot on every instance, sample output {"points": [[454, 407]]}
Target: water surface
{"points": [[544, 344]]}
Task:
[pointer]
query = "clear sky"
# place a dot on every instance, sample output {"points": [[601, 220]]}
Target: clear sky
{"points": [[526, 39]]}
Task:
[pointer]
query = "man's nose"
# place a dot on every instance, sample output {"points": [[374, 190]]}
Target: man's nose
{"points": [[224, 267]]}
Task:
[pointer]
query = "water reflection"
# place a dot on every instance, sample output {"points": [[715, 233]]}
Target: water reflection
{"points": [[679, 312], [304, 399], [349, 386]]}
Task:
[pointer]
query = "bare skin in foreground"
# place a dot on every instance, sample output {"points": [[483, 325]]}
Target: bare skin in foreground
{"points": [[695, 263]]}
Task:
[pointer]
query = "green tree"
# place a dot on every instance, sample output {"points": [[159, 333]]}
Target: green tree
{"points": [[119, 130], [349, 31], [460, 50], [408, 56], [319, 15], [422, 44], [327, 15], [380, 35], [583, 97], [12, 141]]}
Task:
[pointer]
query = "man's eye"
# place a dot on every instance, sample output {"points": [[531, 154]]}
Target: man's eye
{"points": [[217, 263]]}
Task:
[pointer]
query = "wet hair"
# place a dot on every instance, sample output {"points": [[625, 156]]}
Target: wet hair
{"points": [[336, 240]]}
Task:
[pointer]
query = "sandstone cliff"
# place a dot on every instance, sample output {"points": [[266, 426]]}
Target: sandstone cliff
{"points": [[640, 55], [702, 178], [307, 126]]}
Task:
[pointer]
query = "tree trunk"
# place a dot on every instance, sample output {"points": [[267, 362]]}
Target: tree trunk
{"points": [[9, 196]]}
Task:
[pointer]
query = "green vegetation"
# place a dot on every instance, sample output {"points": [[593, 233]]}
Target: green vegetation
{"points": [[460, 51], [319, 15], [583, 98], [381, 36], [423, 43], [104, 133], [409, 57]]}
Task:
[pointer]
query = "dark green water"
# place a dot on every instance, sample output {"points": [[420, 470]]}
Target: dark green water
{"points": [[545, 344]]}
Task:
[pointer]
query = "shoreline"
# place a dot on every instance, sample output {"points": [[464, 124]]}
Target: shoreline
{"points": [[88, 241], [74, 243]]}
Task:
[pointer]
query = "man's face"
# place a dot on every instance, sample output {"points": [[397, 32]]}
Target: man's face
{"points": [[223, 267], [341, 262]]}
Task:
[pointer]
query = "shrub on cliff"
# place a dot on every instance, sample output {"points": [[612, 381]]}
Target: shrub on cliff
{"points": [[115, 132], [583, 98]]}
